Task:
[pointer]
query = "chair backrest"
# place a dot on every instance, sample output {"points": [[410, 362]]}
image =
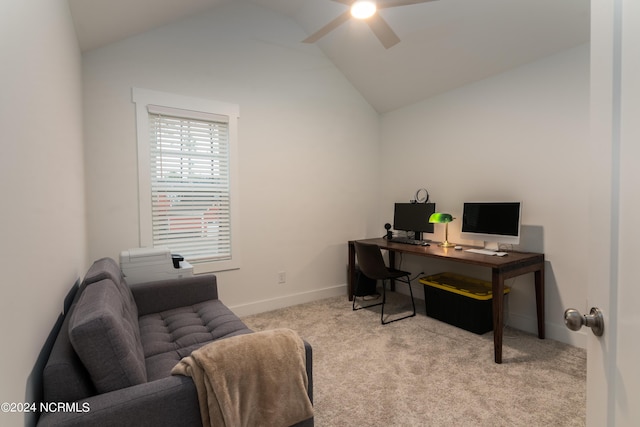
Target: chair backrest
{"points": [[370, 261]]}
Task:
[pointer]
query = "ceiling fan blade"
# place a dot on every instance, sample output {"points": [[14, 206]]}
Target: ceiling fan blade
{"points": [[328, 28], [383, 31], [383, 4], [347, 2]]}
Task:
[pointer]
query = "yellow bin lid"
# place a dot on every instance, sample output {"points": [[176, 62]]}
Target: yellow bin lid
{"points": [[463, 285]]}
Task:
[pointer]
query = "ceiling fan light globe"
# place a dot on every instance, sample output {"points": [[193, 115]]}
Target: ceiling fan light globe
{"points": [[363, 9]]}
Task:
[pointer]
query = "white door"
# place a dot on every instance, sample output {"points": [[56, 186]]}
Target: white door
{"points": [[613, 368]]}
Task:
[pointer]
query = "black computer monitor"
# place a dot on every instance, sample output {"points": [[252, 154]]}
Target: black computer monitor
{"points": [[413, 217]]}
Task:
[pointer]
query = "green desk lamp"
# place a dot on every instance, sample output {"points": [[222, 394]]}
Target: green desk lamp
{"points": [[443, 218]]}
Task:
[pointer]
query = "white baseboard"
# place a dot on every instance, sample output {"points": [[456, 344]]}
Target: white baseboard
{"points": [[552, 331], [288, 300]]}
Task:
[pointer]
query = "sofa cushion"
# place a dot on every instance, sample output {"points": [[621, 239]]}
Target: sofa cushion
{"points": [[106, 338], [64, 377], [104, 268], [170, 335], [107, 268]]}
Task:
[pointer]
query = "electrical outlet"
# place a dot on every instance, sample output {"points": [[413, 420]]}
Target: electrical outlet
{"points": [[282, 277]]}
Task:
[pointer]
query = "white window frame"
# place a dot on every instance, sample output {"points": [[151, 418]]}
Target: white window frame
{"points": [[142, 99]]}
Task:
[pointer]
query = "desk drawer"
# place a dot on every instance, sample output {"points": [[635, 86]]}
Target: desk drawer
{"points": [[461, 301]]}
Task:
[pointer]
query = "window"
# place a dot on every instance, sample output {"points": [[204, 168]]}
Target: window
{"points": [[186, 157]]}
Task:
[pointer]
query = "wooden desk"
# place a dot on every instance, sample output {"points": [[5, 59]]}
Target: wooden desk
{"points": [[512, 265]]}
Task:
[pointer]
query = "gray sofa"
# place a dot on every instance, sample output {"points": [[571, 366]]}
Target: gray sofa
{"points": [[112, 358]]}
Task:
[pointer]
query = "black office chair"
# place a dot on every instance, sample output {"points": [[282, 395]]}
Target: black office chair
{"points": [[372, 265]]}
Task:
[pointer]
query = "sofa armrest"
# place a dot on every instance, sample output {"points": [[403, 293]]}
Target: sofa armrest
{"points": [[154, 297], [169, 401]]}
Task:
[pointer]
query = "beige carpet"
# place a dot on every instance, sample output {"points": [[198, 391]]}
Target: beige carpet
{"points": [[422, 372]]}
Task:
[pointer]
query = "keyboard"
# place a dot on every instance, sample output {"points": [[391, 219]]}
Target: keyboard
{"points": [[485, 252], [408, 241]]}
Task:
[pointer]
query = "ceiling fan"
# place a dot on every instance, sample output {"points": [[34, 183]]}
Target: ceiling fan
{"points": [[367, 11]]}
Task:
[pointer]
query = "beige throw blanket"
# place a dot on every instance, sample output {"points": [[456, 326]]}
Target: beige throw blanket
{"points": [[256, 379]]}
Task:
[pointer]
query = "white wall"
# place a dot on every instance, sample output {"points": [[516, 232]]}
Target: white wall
{"points": [[522, 135], [42, 232], [308, 142]]}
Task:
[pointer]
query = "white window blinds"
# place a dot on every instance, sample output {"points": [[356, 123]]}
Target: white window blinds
{"points": [[190, 183]]}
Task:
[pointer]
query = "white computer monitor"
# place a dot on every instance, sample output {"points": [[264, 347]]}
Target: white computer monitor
{"points": [[494, 223]]}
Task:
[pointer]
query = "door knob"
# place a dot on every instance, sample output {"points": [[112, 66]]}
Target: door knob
{"points": [[594, 320]]}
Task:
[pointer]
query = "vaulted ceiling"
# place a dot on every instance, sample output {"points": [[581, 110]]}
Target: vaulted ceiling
{"points": [[444, 44]]}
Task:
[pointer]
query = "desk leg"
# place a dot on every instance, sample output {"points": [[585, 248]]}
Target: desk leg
{"points": [[539, 281], [392, 264], [498, 313], [351, 271]]}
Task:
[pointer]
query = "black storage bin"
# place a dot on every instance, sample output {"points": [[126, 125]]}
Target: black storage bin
{"points": [[460, 301]]}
